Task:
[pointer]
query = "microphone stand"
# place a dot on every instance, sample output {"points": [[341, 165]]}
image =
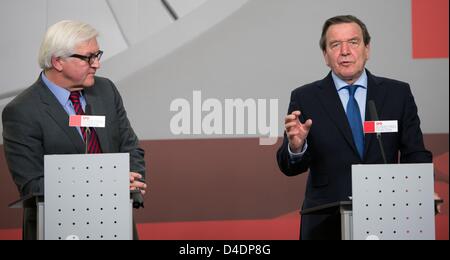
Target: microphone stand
{"points": [[380, 143], [88, 134], [374, 115]]}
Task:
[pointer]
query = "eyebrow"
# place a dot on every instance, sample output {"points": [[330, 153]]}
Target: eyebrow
{"points": [[91, 53], [351, 39]]}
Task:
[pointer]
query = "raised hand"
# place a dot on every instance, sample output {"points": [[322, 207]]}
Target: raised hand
{"points": [[296, 131]]}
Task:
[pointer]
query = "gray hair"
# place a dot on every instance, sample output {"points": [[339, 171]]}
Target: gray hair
{"points": [[340, 20], [61, 40]]}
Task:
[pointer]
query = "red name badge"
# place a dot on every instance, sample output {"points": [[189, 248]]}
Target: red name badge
{"points": [[87, 121], [372, 127]]}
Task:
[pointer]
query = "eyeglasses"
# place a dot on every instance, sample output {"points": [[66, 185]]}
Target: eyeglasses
{"points": [[89, 59]]}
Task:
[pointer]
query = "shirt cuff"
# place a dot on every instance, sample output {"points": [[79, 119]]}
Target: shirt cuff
{"points": [[295, 157]]}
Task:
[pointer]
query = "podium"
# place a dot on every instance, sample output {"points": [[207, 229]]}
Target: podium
{"points": [[86, 197], [389, 202]]}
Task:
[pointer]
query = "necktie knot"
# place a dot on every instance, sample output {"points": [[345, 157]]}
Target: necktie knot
{"points": [[75, 99], [75, 96], [352, 89]]}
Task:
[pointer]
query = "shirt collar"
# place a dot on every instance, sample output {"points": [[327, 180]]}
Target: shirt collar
{"points": [[340, 84], [61, 94]]}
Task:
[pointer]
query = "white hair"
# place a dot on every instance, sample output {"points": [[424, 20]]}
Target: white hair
{"points": [[61, 40]]}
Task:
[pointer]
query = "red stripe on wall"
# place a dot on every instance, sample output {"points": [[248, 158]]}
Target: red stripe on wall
{"points": [[286, 227], [11, 234], [430, 28]]}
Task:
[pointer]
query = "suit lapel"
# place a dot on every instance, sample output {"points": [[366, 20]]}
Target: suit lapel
{"points": [[376, 92], [330, 100], [97, 108], [59, 115]]}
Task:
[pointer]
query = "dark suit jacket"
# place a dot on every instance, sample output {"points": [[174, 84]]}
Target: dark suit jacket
{"points": [[331, 150], [35, 124]]}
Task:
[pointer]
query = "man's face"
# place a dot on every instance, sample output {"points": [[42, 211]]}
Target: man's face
{"points": [[78, 71], [345, 53]]}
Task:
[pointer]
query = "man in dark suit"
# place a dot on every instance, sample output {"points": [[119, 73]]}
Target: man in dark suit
{"points": [[36, 123], [324, 124]]}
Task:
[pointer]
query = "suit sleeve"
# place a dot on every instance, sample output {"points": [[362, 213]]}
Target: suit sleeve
{"points": [[287, 166], [412, 148], [24, 150], [129, 141]]}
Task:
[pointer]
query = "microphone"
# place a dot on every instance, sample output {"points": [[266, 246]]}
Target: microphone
{"points": [[87, 110], [374, 117]]}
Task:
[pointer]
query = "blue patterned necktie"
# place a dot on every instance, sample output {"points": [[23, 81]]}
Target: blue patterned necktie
{"points": [[354, 118]]}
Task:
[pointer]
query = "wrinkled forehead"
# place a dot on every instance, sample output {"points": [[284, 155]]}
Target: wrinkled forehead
{"points": [[344, 32]]}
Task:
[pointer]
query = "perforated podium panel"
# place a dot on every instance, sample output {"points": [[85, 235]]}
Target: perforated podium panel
{"points": [[87, 197], [392, 202]]}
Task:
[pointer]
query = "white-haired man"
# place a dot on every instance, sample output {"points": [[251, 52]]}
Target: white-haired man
{"points": [[35, 123]]}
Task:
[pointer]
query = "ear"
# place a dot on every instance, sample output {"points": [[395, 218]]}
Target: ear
{"points": [[367, 52], [57, 64], [326, 58]]}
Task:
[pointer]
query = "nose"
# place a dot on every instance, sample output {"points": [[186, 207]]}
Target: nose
{"points": [[96, 64], [345, 49]]}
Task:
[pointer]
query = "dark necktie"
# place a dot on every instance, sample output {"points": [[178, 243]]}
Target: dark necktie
{"points": [[354, 118], [94, 144]]}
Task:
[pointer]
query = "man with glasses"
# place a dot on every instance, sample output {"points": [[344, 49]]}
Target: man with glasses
{"points": [[324, 124], [36, 122]]}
